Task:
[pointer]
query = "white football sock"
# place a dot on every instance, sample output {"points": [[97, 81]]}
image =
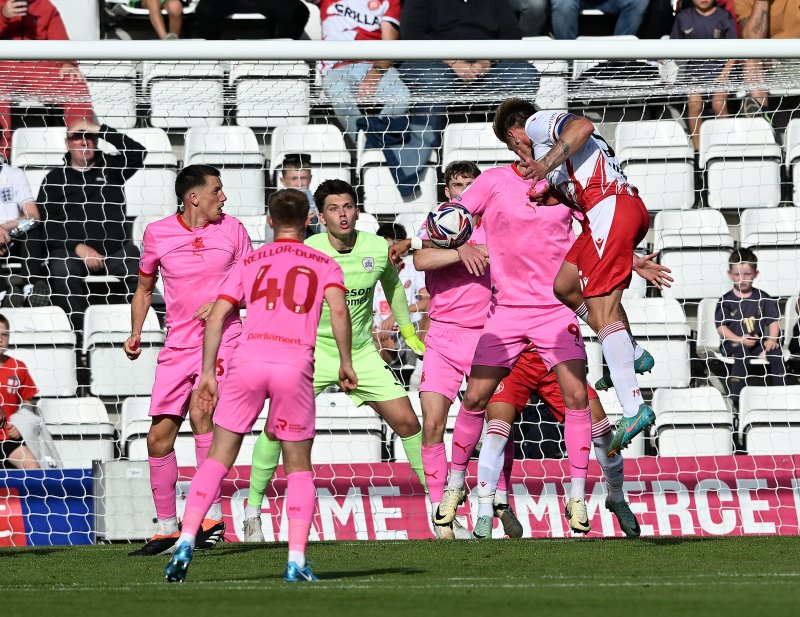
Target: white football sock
{"points": [[215, 512], [490, 464], [501, 497], [613, 467], [618, 351], [456, 478], [251, 512], [298, 557], [167, 526]]}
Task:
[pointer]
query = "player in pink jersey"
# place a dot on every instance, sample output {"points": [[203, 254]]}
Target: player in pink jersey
{"points": [[458, 308], [525, 311], [584, 173], [194, 251], [283, 285]]}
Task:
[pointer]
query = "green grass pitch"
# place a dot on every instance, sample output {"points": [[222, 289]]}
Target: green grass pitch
{"points": [[664, 576]]}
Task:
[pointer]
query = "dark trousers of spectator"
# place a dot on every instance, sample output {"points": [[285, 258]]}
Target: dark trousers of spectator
{"points": [[41, 81], [288, 17], [426, 122], [630, 14], [738, 371], [68, 273]]}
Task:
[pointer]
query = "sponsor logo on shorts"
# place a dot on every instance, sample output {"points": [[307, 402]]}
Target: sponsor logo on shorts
{"points": [[500, 388], [368, 263]]}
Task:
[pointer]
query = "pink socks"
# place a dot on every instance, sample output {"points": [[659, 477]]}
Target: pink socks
{"points": [[202, 445], [434, 463], [163, 477], [300, 501], [205, 485], [578, 439]]}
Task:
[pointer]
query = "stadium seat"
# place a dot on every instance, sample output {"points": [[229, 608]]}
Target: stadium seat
{"points": [[43, 339], [367, 222], [742, 163], [610, 403], [151, 190], [80, 428], [792, 157], [106, 328], [659, 325], [552, 93], [791, 313], [692, 422], [774, 235], [184, 94], [256, 226], [658, 160], [112, 85], [769, 419], [595, 77], [346, 433], [36, 150], [476, 142], [594, 358], [234, 150], [695, 245], [411, 222], [140, 223], [270, 94], [81, 18], [324, 143], [708, 339]]}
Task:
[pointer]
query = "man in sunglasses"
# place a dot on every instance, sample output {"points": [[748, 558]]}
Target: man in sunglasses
{"points": [[84, 215]]}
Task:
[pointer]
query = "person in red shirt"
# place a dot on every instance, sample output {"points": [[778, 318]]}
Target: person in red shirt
{"points": [[53, 82], [16, 387]]}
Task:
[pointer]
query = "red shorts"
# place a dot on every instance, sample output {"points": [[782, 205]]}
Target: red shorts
{"points": [[604, 251], [289, 388], [529, 376], [177, 375]]}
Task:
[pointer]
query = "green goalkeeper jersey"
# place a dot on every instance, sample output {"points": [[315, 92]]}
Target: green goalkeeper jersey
{"points": [[365, 265]]}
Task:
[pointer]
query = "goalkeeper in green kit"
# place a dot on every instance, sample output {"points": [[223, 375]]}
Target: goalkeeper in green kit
{"points": [[364, 259]]}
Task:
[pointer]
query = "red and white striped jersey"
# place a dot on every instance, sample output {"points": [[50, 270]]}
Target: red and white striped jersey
{"points": [[590, 174], [355, 20]]}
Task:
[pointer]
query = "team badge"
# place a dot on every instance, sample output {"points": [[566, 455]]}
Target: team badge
{"points": [[500, 387], [368, 263], [717, 33], [197, 244]]}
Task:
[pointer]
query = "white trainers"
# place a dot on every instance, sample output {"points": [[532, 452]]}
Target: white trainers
{"points": [[461, 532], [443, 532], [252, 530], [451, 499], [577, 516]]}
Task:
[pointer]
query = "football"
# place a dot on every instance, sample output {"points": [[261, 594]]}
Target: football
{"points": [[449, 225]]}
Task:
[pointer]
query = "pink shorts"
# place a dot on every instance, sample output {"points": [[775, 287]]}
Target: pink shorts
{"points": [[289, 388], [177, 375], [510, 329], [448, 357]]}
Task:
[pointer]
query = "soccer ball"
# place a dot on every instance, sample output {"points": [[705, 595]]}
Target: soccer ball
{"points": [[449, 225]]}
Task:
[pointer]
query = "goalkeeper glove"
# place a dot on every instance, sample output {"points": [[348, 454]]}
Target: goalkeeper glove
{"points": [[409, 334]]}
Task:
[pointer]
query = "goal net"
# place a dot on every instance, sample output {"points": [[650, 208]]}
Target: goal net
{"points": [[712, 144]]}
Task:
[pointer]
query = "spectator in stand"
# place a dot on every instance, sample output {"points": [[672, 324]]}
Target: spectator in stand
{"points": [[347, 82], [764, 19], [533, 16], [174, 10], [458, 80], [296, 174], [747, 320], [565, 14], [83, 210], [704, 20], [59, 83], [16, 388], [286, 19]]}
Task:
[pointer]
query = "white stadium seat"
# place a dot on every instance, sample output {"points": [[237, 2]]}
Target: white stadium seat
{"points": [[792, 157], [692, 422], [235, 151], [324, 143], [367, 222], [742, 163], [769, 419], [80, 428], [257, 229], [790, 316], [346, 433], [36, 150], [708, 339], [81, 19], [184, 94], [476, 142], [106, 328], [270, 94], [658, 159], [43, 339], [151, 190], [112, 86], [695, 245], [774, 235]]}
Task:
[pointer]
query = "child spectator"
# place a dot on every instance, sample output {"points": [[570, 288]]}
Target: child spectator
{"points": [[747, 320], [16, 388], [174, 12], [704, 20]]}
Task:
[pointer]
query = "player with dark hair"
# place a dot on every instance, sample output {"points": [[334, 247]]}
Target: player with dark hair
{"points": [[194, 250], [283, 285]]}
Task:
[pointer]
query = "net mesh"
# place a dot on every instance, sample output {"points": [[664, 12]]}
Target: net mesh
{"points": [[711, 465]]}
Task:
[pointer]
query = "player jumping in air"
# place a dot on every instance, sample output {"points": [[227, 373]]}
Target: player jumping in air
{"points": [[584, 173], [194, 250], [530, 376], [282, 284], [363, 258]]}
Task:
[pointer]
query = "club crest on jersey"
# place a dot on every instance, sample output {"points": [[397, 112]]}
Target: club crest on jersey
{"points": [[368, 263], [500, 387], [12, 385], [197, 244]]}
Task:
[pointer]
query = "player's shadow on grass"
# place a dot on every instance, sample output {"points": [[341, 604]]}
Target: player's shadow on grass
{"points": [[241, 547], [24, 551], [677, 540]]}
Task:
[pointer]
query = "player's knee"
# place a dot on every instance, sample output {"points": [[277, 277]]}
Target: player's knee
{"points": [[159, 443], [433, 430], [575, 398], [475, 402]]}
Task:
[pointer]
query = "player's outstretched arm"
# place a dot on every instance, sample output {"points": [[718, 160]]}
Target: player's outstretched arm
{"points": [[343, 335], [651, 271], [426, 260], [575, 133], [140, 304]]}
